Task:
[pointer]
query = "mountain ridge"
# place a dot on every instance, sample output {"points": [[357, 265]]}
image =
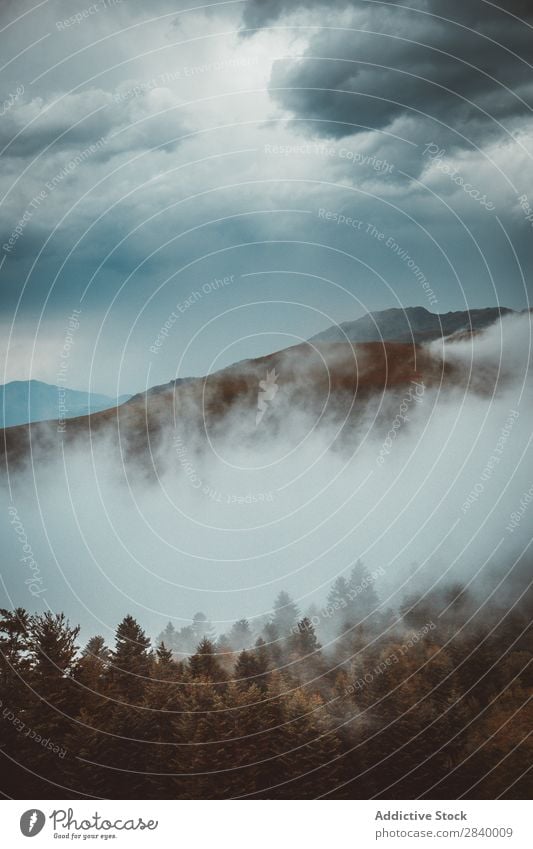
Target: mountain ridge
{"points": [[30, 401], [411, 324]]}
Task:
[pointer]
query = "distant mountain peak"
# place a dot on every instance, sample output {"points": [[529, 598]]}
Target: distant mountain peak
{"points": [[410, 324], [24, 401]]}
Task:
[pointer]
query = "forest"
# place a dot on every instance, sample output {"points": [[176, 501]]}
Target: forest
{"points": [[355, 700]]}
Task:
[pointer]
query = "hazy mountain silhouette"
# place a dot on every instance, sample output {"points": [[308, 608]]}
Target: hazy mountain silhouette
{"points": [[412, 324], [23, 401]]}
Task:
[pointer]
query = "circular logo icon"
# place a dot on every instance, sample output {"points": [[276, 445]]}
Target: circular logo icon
{"points": [[32, 822]]}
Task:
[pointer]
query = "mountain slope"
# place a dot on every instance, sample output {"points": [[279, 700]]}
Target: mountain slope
{"points": [[412, 324], [331, 383], [313, 385]]}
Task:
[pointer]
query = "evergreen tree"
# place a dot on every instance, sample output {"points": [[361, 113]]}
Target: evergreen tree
{"points": [[14, 634], [131, 660], [285, 614], [55, 696], [14, 645], [164, 661], [168, 636], [245, 668], [339, 607], [96, 649], [202, 628], [338, 596], [304, 642], [401, 712], [364, 599], [204, 663], [262, 657], [15, 694], [240, 636], [52, 645], [273, 643], [305, 649], [185, 641], [93, 666]]}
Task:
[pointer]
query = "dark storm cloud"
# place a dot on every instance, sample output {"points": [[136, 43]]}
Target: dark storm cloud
{"points": [[386, 63], [258, 13], [76, 120]]}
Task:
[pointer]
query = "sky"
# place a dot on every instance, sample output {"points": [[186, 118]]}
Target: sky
{"points": [[207, 184]]}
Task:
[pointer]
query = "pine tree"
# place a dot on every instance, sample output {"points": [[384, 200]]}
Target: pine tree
{"points": [[15, 696], [274, 644], [304, 641], [305, 649], [262, 658], [53, 652], [96, 649], [339, 607], [14, 644], [204, 663], [131, 660], [93, 667], [338, 596], [168, 636], [285, 614], [240, 636], [164, 661], [202, 628], [185, 641], [14, 632], [165, 700], [52, 644], [364, 599]]}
